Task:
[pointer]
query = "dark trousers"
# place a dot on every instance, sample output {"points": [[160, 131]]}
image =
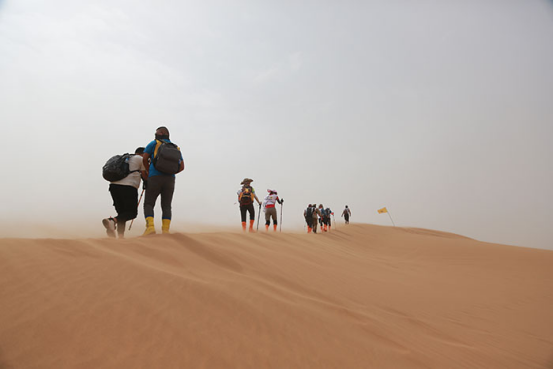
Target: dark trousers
{"points": [[125, 201], [163, 186], [249, 208]]}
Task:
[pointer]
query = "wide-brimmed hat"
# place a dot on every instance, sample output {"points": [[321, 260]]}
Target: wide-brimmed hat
{"points": [[246, 180]]}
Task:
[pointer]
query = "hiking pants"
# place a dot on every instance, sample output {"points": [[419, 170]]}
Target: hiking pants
{"points": [[159, 185], [271, 213], [249, 208], [125, 199], [346, 218]]}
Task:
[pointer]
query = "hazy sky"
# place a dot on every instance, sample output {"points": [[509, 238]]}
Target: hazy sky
{"points": [[439, 110]]}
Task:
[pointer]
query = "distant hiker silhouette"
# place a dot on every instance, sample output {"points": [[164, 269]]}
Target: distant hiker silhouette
{"points": [[325, 220], [346, 214]]}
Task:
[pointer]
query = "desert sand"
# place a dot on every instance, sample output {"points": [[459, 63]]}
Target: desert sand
{"points": [[361, 296]]}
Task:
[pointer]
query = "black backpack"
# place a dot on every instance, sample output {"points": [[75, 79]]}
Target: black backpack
{"points": [[167, 159], [117, 168], [309, 212]]}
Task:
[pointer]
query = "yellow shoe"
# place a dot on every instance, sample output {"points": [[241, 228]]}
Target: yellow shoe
{"points": [[149, 226], [165, 226]]}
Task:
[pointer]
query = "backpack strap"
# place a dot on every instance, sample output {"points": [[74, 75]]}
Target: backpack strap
{"points": [[158, 144], [129, 156]]}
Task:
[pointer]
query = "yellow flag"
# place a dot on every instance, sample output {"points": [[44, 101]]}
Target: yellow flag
{"points": [[382, 210]]}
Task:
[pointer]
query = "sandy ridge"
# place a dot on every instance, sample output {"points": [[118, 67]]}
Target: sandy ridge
{"points": [[362, 296]]}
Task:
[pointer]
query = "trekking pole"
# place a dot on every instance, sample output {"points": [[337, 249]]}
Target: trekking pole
{"points": [[131, 225], [259, 211], [281, 221]]}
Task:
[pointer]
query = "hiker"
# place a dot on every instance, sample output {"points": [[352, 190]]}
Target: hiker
{"points": [[310, 214], [325, 220], [163, 160], [246, 196], [269, 208], [124, 193], [308, 217], [315, 214], [346, 213], [320, 208], [329, 213]]}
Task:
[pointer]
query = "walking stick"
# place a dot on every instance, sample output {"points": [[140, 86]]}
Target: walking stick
{"points": [[259, 211], [137, 207], [334, 220], [281, 221]]}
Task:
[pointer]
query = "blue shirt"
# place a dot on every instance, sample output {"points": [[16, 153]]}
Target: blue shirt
{"points": [[150, 148]]}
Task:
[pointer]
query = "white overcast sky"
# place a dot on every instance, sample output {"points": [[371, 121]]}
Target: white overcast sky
{"points": [[439, 110]]}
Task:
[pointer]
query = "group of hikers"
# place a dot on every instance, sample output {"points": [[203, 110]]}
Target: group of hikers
{"points": [[246, 197], [156, 165]]}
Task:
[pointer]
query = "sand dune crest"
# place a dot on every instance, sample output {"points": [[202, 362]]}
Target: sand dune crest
{"points": [[361, 296]]}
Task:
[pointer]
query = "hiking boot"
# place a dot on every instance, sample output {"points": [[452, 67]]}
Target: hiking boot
{"points": [[109, 224], [251, 228], [243, 226], [149, 226], [165, 226]]}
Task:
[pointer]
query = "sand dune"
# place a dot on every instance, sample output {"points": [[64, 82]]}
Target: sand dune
{"points": [[361, 296]]}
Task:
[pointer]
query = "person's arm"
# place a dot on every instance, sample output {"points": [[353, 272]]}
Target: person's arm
{"points": [[146, 163], [256, 197]]}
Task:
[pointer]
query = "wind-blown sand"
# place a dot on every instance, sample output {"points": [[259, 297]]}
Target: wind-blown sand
{"points": [[361, 296]]}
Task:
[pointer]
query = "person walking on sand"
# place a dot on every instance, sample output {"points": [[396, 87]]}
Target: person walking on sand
{"points": [[269, 208], [329, 213], [325, 220], [124, 193], [346, 213], [246, 196], [162, 159], [315, 215], [308, 217]]}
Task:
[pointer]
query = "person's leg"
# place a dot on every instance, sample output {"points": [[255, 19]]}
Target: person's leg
{"points": [[168, 188], [274, 216], [243, 210], [128, 208], [315, 225], [110, 223], [267, 218], [153, 190], [252, 216]]}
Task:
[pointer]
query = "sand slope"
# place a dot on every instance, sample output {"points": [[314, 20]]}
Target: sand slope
{"points": [[361, 296]]}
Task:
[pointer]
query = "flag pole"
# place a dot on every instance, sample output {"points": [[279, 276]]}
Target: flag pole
{"points": [[388, 212]]}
